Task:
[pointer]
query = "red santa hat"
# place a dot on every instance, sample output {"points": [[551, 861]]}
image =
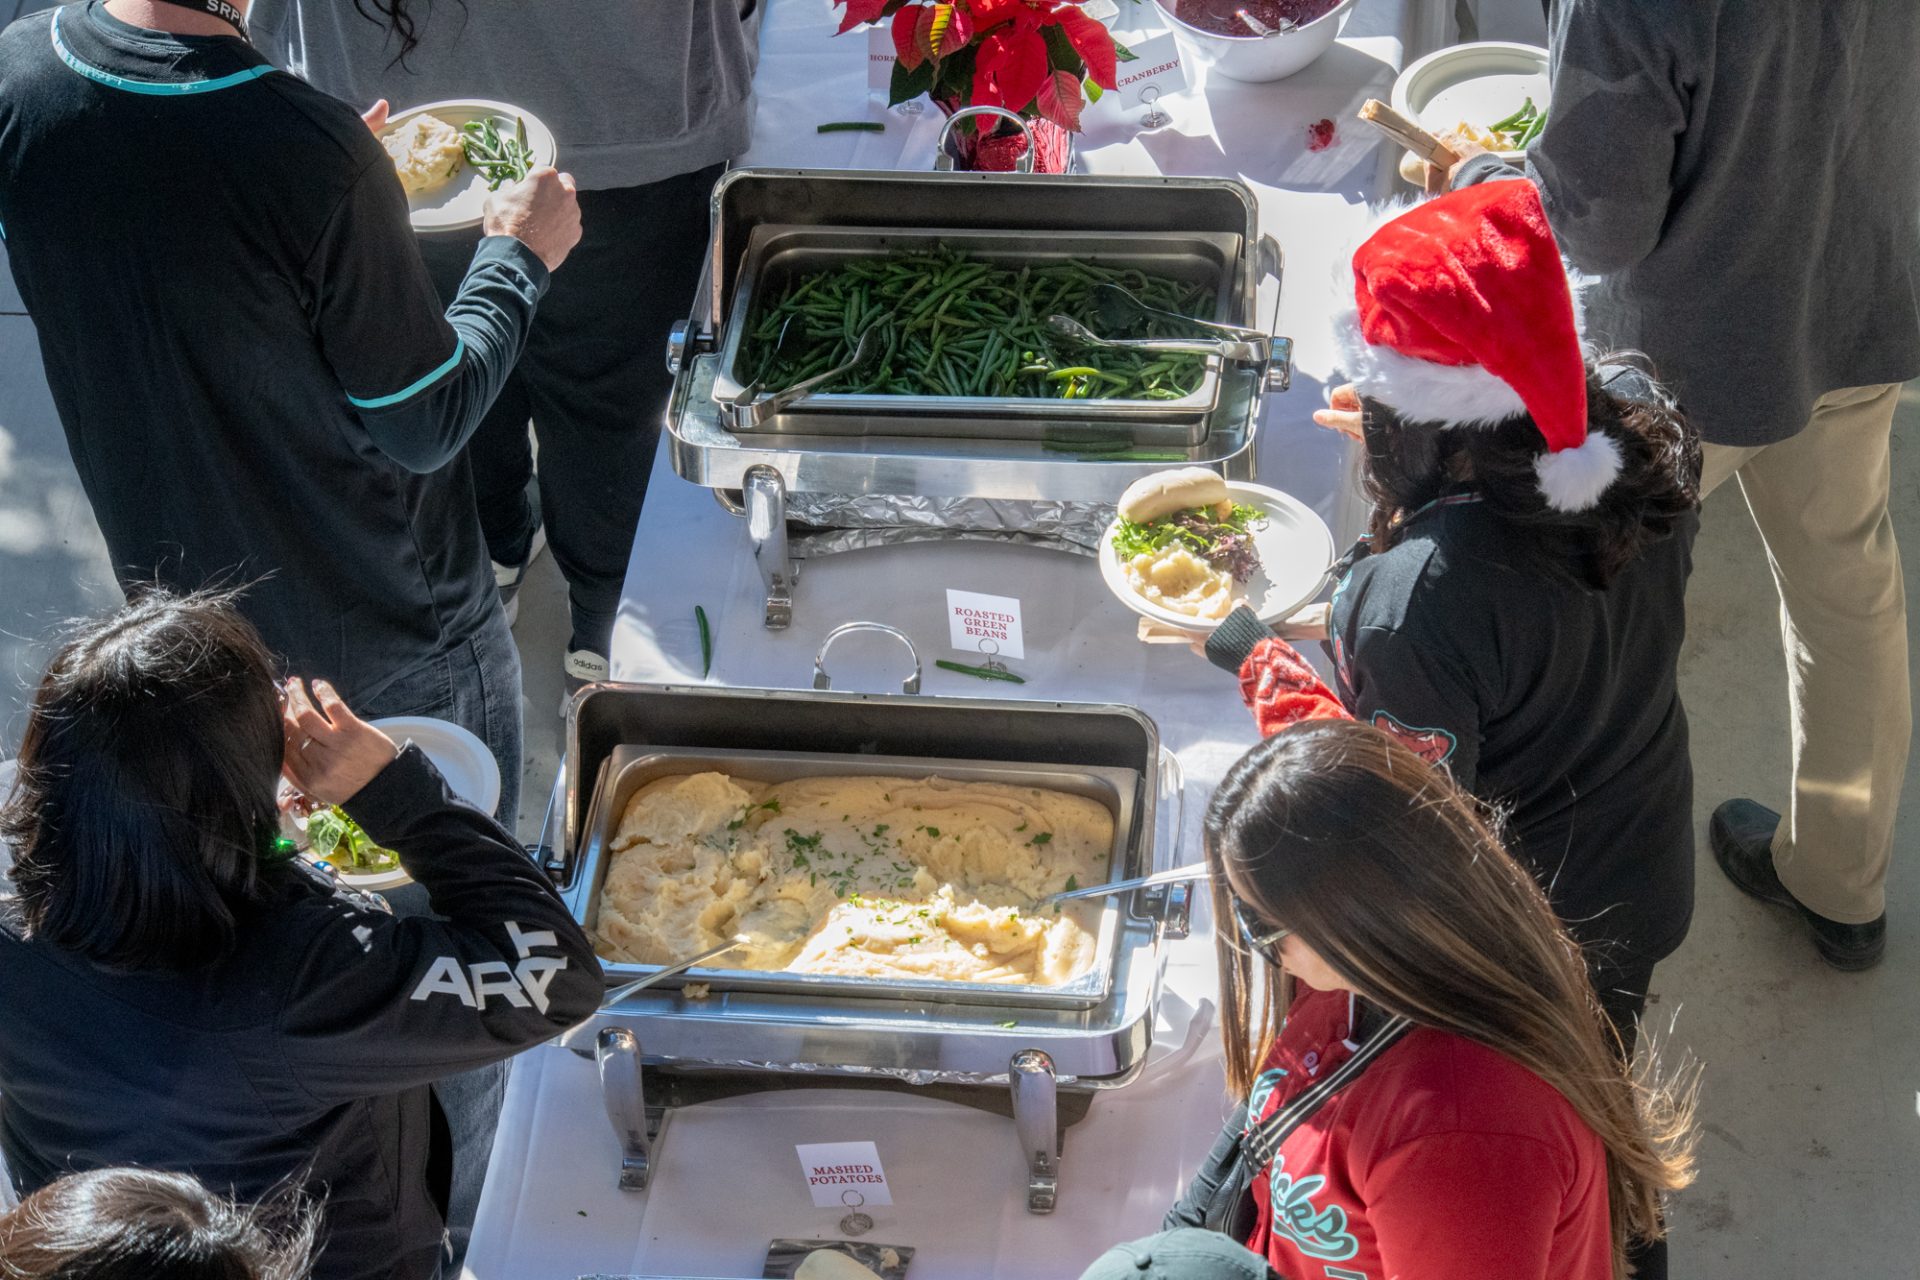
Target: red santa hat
{"points": [[1464, 315]]}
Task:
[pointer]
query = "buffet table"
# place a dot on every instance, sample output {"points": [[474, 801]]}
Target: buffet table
{"points": [[726, 1179]]}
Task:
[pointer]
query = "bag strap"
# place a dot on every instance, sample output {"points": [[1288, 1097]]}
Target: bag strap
{"points": [[1263, 1141]]}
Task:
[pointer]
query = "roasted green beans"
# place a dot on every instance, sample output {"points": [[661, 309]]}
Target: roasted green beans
{"points": [[957, 326], [498, 159]]}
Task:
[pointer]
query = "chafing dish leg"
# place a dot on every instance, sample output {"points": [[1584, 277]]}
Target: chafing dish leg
{"points": [[617, 1051], [1036, 1115], [764, 491]]}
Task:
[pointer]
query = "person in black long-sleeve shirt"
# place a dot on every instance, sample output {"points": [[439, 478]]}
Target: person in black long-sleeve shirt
{"points": [[180, 993], [255, 375]]}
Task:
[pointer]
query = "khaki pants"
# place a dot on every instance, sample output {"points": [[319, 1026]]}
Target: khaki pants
{"points": [[1820, 501]]}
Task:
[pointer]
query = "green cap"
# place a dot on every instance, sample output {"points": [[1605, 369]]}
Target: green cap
{"points": [[1186, 1254]]}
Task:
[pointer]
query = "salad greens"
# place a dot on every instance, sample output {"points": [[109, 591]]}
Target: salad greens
{"points": [[332, 835], [1226, 544]]}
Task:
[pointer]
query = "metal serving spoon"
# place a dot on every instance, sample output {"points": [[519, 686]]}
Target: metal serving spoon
{"points": [[1261, 29], [626, 989], [1120, 306], [1226, 348], [1172, 875], [756, 411]]}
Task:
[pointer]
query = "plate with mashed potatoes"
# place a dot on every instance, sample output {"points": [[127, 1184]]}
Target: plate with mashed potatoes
{"points": [[450, 154], [1187, 547], [859, 870]]}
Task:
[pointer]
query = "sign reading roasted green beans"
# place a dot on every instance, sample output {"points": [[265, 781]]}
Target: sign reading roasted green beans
{"points": [[957, 326]]}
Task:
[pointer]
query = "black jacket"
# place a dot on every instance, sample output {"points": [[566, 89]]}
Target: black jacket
{"points": [[308, 1051]]}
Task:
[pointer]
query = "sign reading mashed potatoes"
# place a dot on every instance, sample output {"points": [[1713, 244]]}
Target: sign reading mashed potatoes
{"points": [[900, 878]]}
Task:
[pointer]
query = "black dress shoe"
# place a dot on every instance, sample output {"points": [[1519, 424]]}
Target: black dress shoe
{"points": [[1741, 834]]}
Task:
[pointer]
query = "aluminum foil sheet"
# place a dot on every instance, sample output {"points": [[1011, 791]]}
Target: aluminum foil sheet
{"points": [[831, 522]]}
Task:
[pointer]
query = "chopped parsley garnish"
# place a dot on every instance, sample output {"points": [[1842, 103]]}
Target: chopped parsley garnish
{"points": [[1073, 882], [1022, 827], [933, 832], [915, 938], [1045, 837], [1008, 1024]]}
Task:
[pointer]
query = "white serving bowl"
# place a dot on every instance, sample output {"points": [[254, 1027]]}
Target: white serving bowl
{"points": [[1258, 59]]}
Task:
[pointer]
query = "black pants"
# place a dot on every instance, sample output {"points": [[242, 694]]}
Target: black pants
{"points": [[1623, 994], [594, 383]]}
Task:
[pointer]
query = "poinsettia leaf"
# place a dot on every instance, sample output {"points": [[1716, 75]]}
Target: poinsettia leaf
{"points": [[1059, 100], [1012, 66], [988, 13], [892, 7], [1123, 53], [1092, 41], [906, 48], [953, 81], [942, 29], [1060, 54], [860, 12], [1093, 91], [909, 83]]}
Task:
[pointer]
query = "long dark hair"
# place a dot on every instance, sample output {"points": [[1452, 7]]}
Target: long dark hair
{"points": [[1393, 877], [140, 1224], [400, 21], [144, 816], [1409, 464]]}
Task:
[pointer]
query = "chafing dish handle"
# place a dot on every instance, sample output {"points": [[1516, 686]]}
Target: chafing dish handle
{"points": [[1171, 904], [821, 680], [1036, 1119], [943, 159], [764, 494], [617, 1052]]}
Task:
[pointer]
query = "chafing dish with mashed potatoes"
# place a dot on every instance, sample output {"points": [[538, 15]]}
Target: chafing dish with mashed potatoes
{"points": [[868, 876]]}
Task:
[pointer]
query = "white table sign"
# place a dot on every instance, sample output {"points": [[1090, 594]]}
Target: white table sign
{"points": [[1155, 72], [880, 54], [985, 624], [833, 1169]]}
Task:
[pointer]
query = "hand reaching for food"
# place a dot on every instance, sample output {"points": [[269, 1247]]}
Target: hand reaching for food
{"points": [[1342, 413], [376, 116], [330, 753]]}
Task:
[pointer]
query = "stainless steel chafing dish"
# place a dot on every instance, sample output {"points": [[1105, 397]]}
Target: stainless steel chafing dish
{"points": [[856, 470], [1037, 1053]]}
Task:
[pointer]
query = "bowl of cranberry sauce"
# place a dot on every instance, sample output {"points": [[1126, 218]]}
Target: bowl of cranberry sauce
{"points": [[1213, 34]]}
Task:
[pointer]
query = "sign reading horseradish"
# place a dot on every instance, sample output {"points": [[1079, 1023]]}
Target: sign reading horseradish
{"points": [[985, 624], [835, 1168]]}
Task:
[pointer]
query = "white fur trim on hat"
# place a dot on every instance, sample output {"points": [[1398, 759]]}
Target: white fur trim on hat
{"points": [[1573, 479], [1422, 391]]}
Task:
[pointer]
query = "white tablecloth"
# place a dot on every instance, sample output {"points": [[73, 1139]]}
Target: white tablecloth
{"points": [[727, 1178]]}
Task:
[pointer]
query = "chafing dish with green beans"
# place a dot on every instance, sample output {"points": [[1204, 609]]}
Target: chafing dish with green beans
{"points": [[953, 325]]}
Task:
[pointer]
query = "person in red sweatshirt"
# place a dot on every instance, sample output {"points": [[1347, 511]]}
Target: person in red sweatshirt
{"points": [[1432, 1089]]}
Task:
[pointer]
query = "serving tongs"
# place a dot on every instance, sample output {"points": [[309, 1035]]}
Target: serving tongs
{"points": [[627, 989], [1119, 307], [752, 409], [1172, 875]]}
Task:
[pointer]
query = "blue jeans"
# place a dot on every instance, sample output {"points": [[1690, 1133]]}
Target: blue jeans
{"points": [[476, 685]]}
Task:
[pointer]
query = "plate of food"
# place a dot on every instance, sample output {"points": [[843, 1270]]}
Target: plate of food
{"points": [[1491, 91], [1188, 546], [450, 154], [326, 835]]}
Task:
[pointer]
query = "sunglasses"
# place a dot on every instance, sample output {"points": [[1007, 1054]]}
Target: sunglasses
{"points": [[1255, 932]]}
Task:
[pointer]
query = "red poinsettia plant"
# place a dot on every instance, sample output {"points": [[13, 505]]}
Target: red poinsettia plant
{"points": [[1041, 59]]}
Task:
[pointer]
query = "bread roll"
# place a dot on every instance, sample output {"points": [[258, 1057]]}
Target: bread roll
{"points": [[1161, 494]]}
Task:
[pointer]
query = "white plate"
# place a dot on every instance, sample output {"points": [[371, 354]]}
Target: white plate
{"points": [[1296, 550], [462, 759], [1478, 83], [456, 204]]}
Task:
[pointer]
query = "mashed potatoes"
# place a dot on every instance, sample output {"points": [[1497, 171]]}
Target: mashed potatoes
{"points": [[864, 877], [426, 152], [1175, 578]]}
